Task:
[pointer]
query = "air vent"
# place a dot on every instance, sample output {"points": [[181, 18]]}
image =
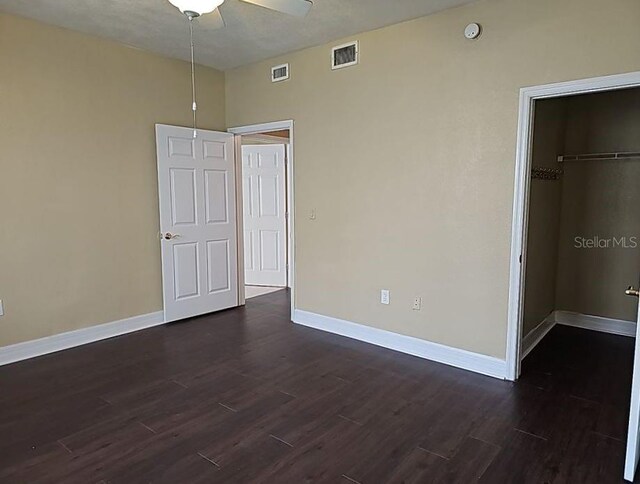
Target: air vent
{"points": [[344, 55], [280, 73]]}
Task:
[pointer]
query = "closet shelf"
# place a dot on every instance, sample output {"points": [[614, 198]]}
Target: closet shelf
{"points": [[600, 156]]}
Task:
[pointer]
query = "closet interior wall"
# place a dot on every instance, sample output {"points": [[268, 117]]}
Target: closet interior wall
{"points": [[593, 202]]}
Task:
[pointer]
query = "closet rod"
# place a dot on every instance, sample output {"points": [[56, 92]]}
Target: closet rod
{"points": [[600, 156]]}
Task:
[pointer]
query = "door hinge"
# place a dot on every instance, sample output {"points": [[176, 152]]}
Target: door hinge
{"points": [[520, 258]]}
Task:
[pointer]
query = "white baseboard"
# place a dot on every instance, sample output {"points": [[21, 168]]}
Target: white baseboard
{"points": [[63, 341], [577, 320], [467, 360], [534, 336], [596, 323]]}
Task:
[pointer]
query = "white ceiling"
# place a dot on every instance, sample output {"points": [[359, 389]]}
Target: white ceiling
{"points": [[251, 34]]}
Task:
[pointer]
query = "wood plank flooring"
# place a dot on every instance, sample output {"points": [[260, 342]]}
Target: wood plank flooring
{"points": [[245, 396]]}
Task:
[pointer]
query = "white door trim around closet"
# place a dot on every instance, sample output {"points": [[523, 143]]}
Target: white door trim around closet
{"points": [[262, 129], [528, 95]]}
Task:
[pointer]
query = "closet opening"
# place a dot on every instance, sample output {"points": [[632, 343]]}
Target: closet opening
{"points": [[575, 289], [584, 219]]}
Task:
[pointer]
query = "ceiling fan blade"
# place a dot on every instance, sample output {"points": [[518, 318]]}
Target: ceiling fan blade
{"points": [[299, 8], [212, 20]]}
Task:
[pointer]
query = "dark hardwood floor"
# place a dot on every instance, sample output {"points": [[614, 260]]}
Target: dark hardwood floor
{"points": [[246, 396]]}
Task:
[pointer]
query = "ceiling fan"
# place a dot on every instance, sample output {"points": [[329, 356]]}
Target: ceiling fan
{"points": [[196, 8], [193, 9]]}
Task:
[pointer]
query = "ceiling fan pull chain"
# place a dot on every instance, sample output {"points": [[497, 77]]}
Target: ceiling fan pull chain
{"points": [[194, 106]]}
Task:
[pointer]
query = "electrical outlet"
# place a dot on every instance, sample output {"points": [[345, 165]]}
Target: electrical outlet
{"points": [[1, 308], [384, 296], [417, 304]]}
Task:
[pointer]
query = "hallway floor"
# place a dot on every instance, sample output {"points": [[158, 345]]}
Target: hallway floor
{"points": [[246, 396], [254, 291]]}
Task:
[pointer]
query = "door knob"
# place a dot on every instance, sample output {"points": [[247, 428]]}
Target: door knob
{"points": [[169, 236], [632, 292]]}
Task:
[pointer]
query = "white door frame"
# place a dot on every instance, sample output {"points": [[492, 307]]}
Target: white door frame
{"points": [[258, 129], [528, 95]]}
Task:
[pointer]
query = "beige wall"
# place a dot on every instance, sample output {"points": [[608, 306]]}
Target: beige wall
{"points": [[408, 158], [544, 213], [600, 199], [78, 196]]}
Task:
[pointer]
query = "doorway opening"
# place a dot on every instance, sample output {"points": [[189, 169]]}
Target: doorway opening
{"points": [[576, 251], [265, 200]]}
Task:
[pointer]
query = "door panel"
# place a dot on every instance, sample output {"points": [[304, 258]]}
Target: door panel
{"points": [[269, 196], [185, 260], [265, 221], [269, 250], [196, 186], [218, 265], [181, 147], [183, 196], [633, 437], [214, 149], [248, 250], [216, 196]]}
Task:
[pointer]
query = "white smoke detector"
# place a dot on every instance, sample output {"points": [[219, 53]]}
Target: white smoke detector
{"points": [[472, 31]]}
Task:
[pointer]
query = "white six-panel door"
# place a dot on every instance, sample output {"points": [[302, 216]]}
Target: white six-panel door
{"points": [[196, 185], [265, 229]]}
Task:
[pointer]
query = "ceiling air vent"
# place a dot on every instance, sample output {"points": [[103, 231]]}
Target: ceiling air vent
{"points": [[344, 55], [280, 73]]}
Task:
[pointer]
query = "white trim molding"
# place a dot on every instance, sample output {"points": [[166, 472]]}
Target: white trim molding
{"points": [[619, 327], [528, 96], [262, 127], [534, 336], [71, 339], [467, 360], [596, 323]]}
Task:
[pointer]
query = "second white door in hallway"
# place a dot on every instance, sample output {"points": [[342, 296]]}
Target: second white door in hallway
{"points": [[265, 215]]}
